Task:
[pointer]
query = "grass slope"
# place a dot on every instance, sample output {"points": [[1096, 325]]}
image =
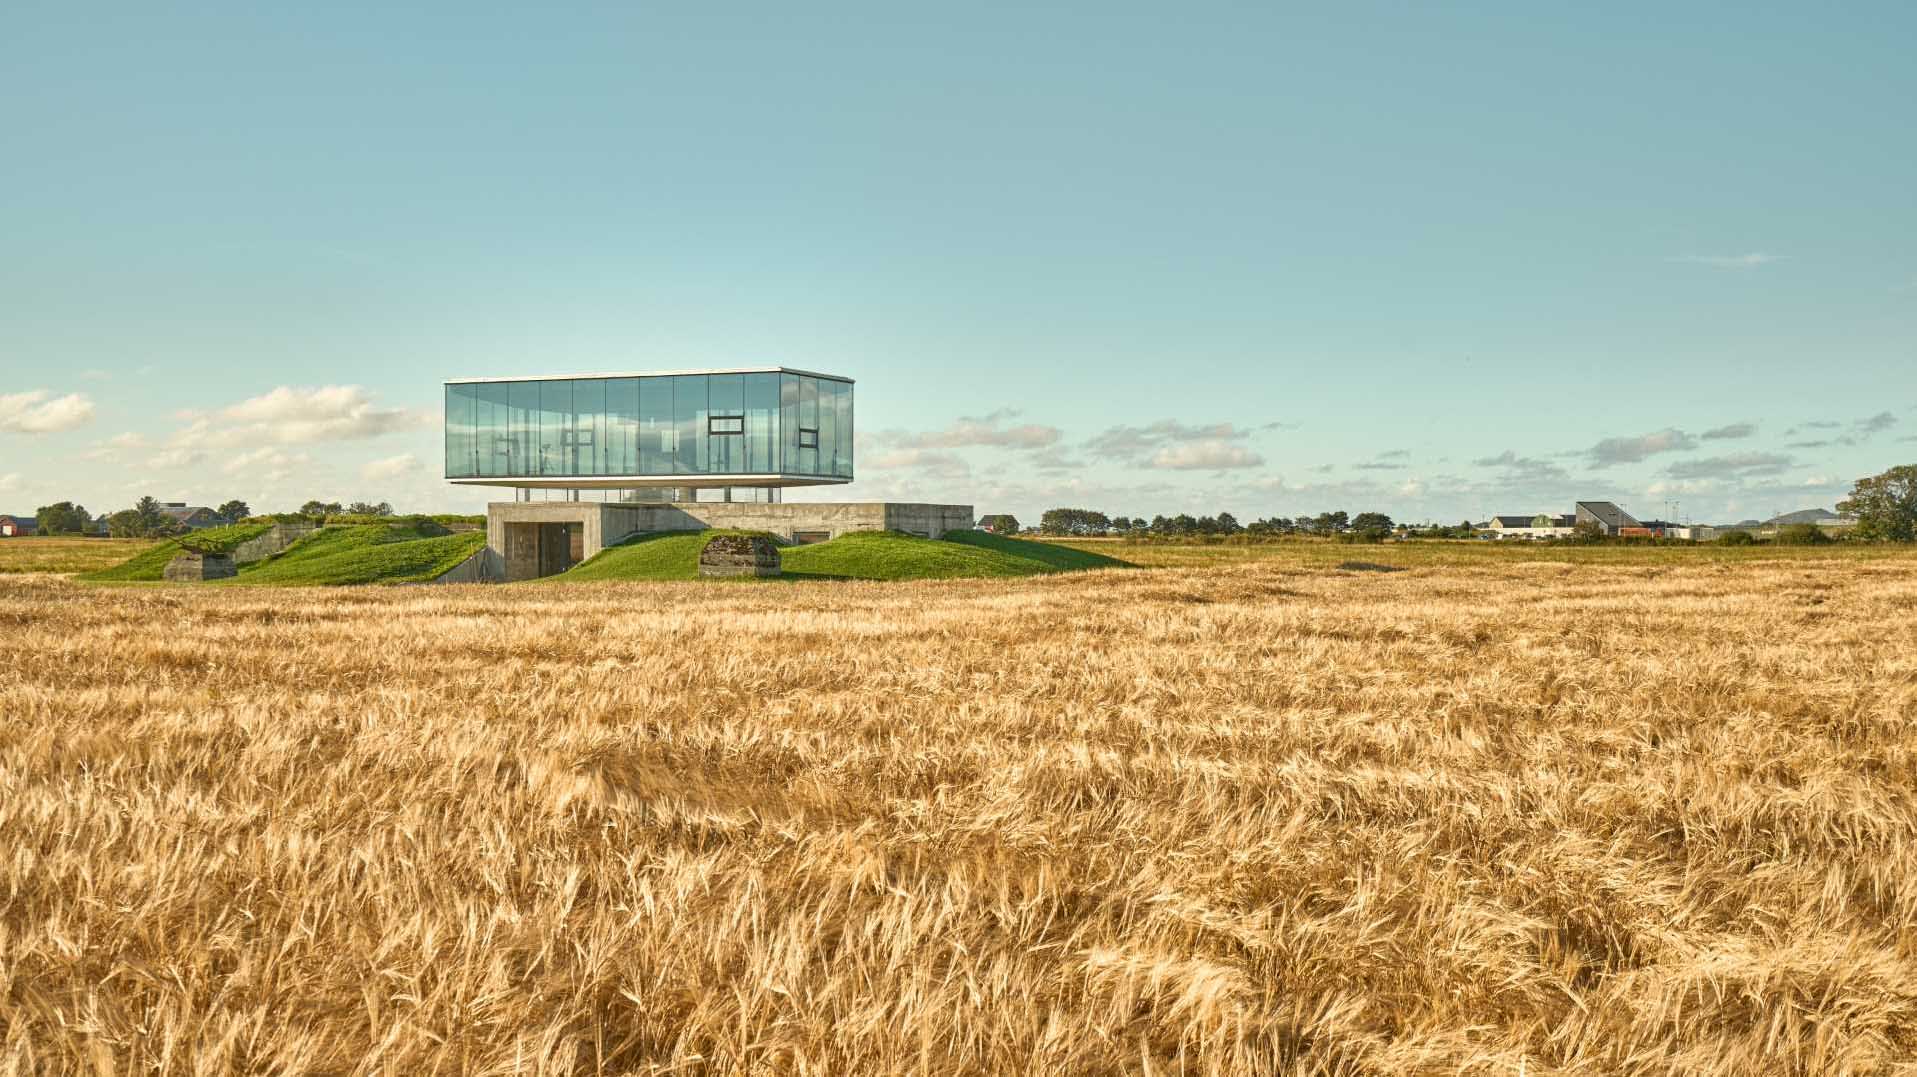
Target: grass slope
{"points": [[368, 553], [866, 555], [151, 564]]}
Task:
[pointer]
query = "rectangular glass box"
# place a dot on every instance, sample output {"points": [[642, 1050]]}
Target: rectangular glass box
{"points": [[756, 426]]}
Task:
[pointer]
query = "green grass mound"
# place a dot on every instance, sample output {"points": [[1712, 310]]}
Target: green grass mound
{"points": [[864, 555], [658, 555], [406, 552], [151, 564]]}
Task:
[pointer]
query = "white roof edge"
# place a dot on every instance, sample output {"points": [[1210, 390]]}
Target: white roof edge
{"points": [[657, 374]]}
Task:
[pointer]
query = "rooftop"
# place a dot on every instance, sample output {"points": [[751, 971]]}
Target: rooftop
{"points": [[658, 374]]}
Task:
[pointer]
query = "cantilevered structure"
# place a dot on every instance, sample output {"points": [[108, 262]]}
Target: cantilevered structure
{"points": [[753, 430]]}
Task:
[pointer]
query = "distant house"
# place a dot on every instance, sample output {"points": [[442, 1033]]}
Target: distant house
{"points": [[1606, 517], [18, 526], [190, 517], [1543, 525], [998, 523]]}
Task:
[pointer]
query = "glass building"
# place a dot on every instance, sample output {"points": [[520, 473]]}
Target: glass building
{"points": [[758, 428]]}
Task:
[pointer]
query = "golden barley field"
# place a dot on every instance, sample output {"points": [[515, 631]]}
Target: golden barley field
{"points": [[1522, 817]]}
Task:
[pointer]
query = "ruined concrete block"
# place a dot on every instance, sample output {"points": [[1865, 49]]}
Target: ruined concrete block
{"points": [[739, 555], [195, 567]]}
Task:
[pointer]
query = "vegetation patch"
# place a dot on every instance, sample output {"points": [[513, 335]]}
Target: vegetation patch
{"points": [[411, 551], [865, 555], [150, 564]]}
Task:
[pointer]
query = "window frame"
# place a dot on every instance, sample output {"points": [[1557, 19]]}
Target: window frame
{"points": [[808, 432], [713, 430]]}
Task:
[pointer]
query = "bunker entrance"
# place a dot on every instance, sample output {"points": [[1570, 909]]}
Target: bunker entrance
{"points": [[535, 550]]}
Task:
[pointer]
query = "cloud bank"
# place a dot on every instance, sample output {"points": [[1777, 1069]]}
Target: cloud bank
{"points": [[40, 412]]}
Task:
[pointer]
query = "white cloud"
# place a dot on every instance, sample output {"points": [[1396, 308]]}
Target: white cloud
{"points": [[178, 456], [1751, 260], [926, 461], [391, 467], [1211, 455], [1736, 465], [1730, 433], [268, 461], [1157, 439], [1631, 450], [984, 430], [9, 482], [290, 415], [40, 412]]}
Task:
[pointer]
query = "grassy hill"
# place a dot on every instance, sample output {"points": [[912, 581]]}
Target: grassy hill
{"points": [[408, 552], [151, 564], [866, 555]]}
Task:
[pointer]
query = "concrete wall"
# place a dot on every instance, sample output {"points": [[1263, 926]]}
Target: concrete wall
{"points": [[482, 567], [273, 541], [521, 533]]}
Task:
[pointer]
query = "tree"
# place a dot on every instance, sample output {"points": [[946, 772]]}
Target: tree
{"points": [[1003, 523], [321, 508], [1736, 538], [1331, 522], [1371, 521], [62, 518], [234, 511], [1885, 506], [1228, 524], [368, 508], [1073, 522], [126, 524], [152, 521]]}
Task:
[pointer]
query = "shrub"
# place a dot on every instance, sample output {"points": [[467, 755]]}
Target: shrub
{"points": [[1801, 535], [1736, 538]]}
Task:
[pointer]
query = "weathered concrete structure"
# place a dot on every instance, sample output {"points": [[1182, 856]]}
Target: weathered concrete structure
{"points": [[195, 567], [542, 538], [273, 541], [739, 555]]}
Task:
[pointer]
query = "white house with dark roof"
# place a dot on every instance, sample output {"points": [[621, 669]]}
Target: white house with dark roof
{"points": [[1542, 525]]}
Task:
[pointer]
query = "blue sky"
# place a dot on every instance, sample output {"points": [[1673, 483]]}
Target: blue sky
{"points": [[1145, 259]]}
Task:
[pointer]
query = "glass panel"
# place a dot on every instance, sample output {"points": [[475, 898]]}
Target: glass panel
{"points": [[809, 423], [762, 423], [622, 427], [555, 425], [789, 422], [495, 432], [842, 407], [828, 426], [587, 454], [523, 459], [460, 404], [726, 398], [689, 418], [658, 440]]}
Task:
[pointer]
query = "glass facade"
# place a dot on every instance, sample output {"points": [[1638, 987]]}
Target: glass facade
{"points": [[756, 423]]}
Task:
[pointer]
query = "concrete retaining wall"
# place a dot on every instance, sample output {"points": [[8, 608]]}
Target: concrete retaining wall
{"points": [[483, 566], [524, 534], [274, 541]]}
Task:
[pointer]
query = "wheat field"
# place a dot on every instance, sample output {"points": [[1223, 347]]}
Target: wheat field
{"points": [[1515, 818]]}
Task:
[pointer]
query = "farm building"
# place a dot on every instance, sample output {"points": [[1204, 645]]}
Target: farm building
{"points": [[190, 517], [18, 526], [1606, 516], [1540, 526]]}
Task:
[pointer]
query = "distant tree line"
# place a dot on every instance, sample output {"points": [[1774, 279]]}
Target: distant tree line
{"points": [[148, 517], [1083, 522]]}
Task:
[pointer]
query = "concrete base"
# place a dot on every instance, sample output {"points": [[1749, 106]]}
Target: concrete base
{"points": [[541, 538]]}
